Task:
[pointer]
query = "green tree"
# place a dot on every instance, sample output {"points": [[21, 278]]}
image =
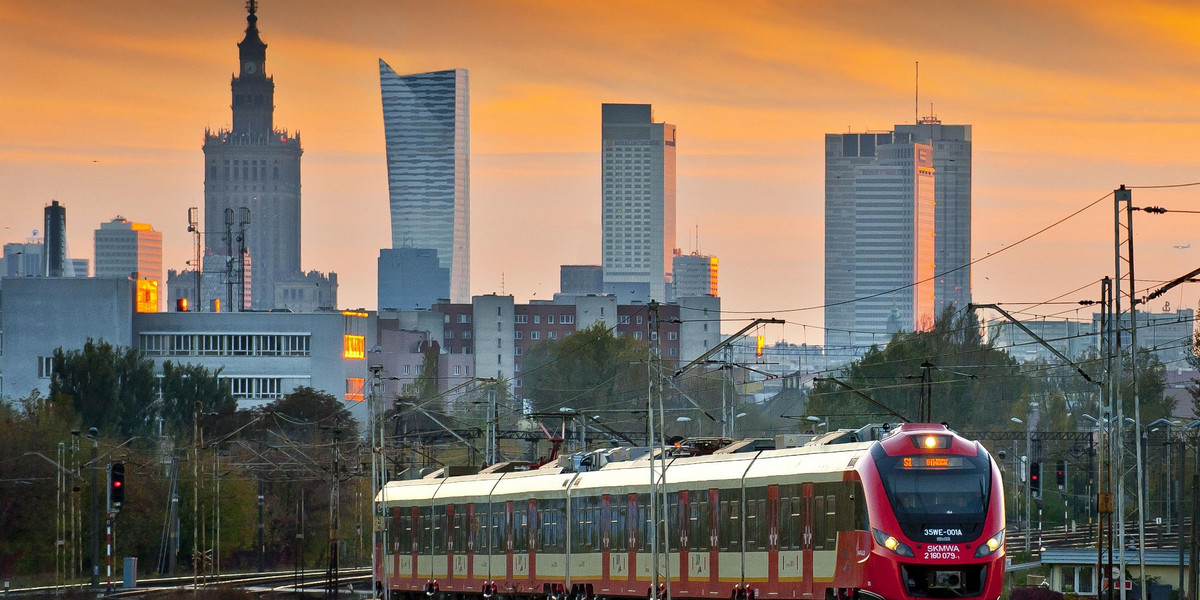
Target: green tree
{"points": [[967, 382], [588, 370], [112, 388], [183, 386]]}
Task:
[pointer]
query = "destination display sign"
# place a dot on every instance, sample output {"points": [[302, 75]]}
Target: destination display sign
{"points": [[931, 462]]}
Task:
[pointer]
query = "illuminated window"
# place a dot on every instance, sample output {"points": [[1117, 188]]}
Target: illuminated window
{"points": [[355, 346], [354, 389]]}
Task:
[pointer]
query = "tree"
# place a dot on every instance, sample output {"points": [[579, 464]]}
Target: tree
{"points": [[589, 370], [183, 386], [112, 388], [966, 381]]}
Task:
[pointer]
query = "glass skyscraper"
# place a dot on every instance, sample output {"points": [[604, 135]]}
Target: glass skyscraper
{"points": [[427, 127], [638, 200]]}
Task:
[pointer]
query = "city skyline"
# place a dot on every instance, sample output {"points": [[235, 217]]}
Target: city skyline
{"points": [[1067, 102]]}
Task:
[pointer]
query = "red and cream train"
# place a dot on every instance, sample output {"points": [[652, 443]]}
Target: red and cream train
{"points": [[917, 514]]}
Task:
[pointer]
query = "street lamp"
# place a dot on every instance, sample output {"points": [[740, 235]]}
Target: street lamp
{"points": [[688, 420], [1025, 466]]}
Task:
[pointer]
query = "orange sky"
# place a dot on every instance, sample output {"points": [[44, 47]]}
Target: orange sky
{"points": [[104, 105]]}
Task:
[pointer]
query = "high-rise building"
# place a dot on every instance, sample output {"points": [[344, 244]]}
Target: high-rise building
{"points": [[580, 280], [127, 249], [255, 166], [411, 279], [638, 198], [54, 256], [694, 275], [879, 237], [952, 214], [427, 129]]}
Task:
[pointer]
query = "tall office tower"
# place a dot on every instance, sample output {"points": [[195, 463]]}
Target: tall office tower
{"points": [[427, 129], [879, 237], [694, 275], [127, 249], [952, 247], [54, 257], [411, 279], [255, 166], [638, 199]]}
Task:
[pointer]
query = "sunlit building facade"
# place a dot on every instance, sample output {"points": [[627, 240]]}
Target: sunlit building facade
{"points": [[638, 197], [879, 238], [952, 160], [127, 249], [427, 130], [693, 274]]}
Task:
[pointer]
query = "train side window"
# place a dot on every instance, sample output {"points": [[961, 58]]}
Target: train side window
{"points": [[756, 516], [438, 534], [618, 527], [479, 529], [791, 521], [499, 529], [818, 523], [697, 519], [520, 531], [644, 524], [674, 531], [730, 531], [831, 522], [459, 534], [425, 522]]}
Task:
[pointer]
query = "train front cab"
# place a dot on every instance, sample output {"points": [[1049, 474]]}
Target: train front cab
{"points": [[936, 511]]}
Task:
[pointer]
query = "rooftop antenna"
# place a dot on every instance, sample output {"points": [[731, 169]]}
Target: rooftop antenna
{"points": [[917, 94]]}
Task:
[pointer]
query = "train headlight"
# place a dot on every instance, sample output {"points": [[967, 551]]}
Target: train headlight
{"points": [[993, 544], [891, 543]]}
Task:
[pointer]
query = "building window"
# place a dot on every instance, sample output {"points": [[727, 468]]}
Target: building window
{"points": [[550, 319], [672, 351], [255, 387], [624, 320], [639, 319], [498, 343], [553, 335], [518, 351], [464, 318], [522, 318], [457, 369], [537, 318], [45, 367], [466, 350], [566, 319], [517, 335], [672, 335], [406, 369], [354, 389], [449, 334], [654, 335], [466, 335], [517, 366], [535, 335], [637, 335], [355, 346]]}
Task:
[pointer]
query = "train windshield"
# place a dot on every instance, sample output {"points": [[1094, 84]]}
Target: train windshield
{"points": [[937, 498]]}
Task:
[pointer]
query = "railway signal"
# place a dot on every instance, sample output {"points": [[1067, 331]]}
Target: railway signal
{"points": [[1060, 474], [116, 487], [1035, 479]]}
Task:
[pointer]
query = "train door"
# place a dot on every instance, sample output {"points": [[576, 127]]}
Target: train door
{"points": [[773, 535], [714, 541], [806, 586], [605, 536], [532, 532], [451, 534], [684, 502]]}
